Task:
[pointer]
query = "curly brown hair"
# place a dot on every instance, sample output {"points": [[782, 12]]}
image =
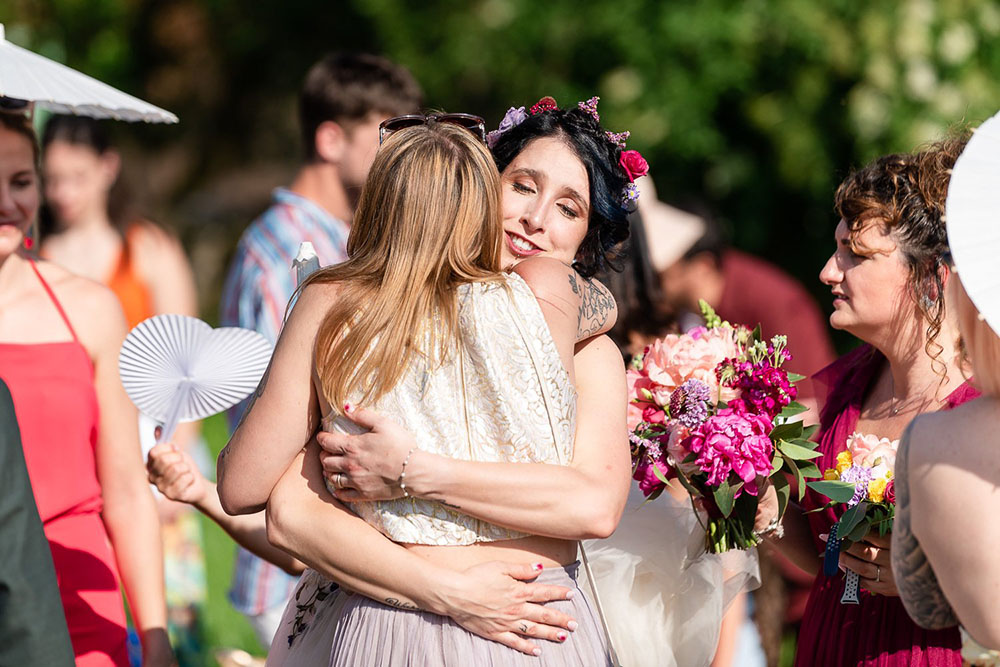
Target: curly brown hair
{"points": [[905, 195]]}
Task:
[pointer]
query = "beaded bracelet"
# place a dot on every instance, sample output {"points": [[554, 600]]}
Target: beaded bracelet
{"points": [[402, 474]]}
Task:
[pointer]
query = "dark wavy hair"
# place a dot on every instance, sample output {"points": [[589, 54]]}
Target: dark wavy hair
{"points": [[905, 195], [607, 227]]}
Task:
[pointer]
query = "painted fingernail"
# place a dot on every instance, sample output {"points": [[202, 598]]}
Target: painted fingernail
{"points": [[824, 536], [569, 596], [348, 407], [573, 625], [561, 636], [536, 652], [537, 566]]}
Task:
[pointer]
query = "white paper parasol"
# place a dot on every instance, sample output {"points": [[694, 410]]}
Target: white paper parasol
{"points": [[178, 369], [973, 219], [49, 85]]}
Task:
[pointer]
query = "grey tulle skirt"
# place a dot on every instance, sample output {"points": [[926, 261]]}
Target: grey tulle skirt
{"points": [[322, 626]]}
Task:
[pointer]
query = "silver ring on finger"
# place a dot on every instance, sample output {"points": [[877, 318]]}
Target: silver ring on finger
{"points": [[338, 480], [878, 574]]}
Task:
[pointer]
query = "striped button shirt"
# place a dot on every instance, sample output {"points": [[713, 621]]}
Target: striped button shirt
{"points": [[259, 283]]}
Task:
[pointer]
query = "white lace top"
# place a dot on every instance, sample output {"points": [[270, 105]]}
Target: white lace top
{"points": [[503, 397]]}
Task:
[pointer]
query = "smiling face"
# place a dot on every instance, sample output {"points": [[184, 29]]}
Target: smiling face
{"points": [[869, 289], [545, 201], [18, 190]]}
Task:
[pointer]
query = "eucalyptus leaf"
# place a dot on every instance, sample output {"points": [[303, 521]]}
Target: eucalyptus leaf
{"points": [[792, 409], [852, 517], [786, 431], [798, 452], [659, 474], [809, 470], [809, 431], [784, 492], [724, 498], [858, 533], [835, 490], [795, 377]]}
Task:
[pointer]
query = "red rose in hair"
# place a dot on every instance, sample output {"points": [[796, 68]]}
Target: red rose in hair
{"points": [[545, 104], [890, 492], [634, 164]]}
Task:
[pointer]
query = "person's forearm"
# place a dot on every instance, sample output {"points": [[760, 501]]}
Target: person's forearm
{"points": [[310, 524], [796, 542], [134, 530], [551, 500], [249, 531]]}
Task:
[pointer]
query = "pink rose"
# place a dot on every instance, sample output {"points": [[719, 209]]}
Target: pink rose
{"points": [[634, 164], [648, 481], [890, 492], [673, 359], [868, 450], [678, 450], [638, 404]]}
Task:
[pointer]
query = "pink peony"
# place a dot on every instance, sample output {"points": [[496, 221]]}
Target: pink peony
{"points": [[675, 358], [867, 449], [733, 442]]}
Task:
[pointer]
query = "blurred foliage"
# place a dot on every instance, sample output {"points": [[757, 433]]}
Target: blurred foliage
{"points": [[757, 108]]}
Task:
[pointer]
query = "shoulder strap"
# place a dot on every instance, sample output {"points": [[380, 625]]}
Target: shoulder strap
{"points": [[55, 301]]}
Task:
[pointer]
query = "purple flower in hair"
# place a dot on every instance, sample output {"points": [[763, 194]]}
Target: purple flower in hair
{"points": [[590, 108], [630, 193], [514, 117]]}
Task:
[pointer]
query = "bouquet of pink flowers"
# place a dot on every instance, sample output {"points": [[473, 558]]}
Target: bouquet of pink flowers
{"points": [[712, 408], [863, 479]]}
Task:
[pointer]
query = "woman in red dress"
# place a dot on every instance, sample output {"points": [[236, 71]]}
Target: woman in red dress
{"points": [[887, 280], [59, 341]]}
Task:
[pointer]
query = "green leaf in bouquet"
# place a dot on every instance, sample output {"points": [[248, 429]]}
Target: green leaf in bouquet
{"points": [[724, 498], [805, 442], [688, 486], [776, 463], [789, 431], [836, 491], [758, 334], [860, 531], [851, 518], [653, 496], [784, 492], [659, 475], [809, 431], [792, 449], [647, 394], [792, 409], [795, 377], [809, 470]]}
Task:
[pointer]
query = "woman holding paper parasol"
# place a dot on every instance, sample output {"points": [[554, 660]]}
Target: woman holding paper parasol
{"points": [[59, 340]]}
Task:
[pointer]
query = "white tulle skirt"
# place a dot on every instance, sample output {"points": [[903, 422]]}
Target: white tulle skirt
{"points": [[663, 596]]}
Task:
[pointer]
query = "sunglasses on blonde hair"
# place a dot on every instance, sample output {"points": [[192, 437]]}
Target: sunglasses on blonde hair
{"points": [[472, 123]]}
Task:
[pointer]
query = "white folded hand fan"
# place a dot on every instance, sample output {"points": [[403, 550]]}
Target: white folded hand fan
{"points": [[178, 369]]}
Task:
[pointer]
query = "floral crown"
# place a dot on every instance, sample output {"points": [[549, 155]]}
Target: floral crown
{"points": [[630, 161]]}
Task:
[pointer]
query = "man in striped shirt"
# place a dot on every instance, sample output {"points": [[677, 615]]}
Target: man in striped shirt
{"points": [[342, 102]]}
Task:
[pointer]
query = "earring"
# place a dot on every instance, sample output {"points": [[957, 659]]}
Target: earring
{"points": [[28, 242]]}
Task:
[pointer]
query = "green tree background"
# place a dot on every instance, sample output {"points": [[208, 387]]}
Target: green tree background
{"points": [[757, 107]]}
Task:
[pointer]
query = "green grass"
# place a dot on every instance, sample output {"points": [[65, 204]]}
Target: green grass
{"points": [[222, 626]]}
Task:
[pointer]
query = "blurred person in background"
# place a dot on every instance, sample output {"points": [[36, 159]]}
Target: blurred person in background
{"points": [[88, 228], [946, 535], [59, 341], [888, 277], [342, 102]]}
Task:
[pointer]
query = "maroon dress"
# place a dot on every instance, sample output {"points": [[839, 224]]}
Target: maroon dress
{"points": [[877, 632]]}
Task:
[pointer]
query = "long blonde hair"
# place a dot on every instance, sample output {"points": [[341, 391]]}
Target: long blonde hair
{"points": [[428, 220]]}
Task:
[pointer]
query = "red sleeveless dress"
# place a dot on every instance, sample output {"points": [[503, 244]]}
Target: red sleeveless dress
{"points": [[53, 389], [878, 632]]}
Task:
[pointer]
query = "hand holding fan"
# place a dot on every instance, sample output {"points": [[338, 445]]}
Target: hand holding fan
{"points": [[178, 369]]}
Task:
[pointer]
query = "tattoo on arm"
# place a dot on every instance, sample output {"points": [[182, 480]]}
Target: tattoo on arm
{"points": [[918, 585], [258, 392], [401, 604], [597, 306]]}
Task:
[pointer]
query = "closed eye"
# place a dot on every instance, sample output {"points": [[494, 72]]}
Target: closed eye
{"points": [[568, 212], [523, 189]]}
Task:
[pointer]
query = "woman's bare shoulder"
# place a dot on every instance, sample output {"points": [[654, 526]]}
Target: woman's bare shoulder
{"points": [[959, 436], [92, 309]]}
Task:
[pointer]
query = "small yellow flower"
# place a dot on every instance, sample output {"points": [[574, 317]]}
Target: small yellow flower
{"points": [[831, 474], [876, 490], [888, 475], [844, 460]]}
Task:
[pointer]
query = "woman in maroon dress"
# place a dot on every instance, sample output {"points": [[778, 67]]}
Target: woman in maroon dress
{"points": [[888, 280]]}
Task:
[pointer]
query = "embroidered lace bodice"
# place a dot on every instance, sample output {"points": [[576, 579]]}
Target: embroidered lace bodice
{"points": [[503, 396]]}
